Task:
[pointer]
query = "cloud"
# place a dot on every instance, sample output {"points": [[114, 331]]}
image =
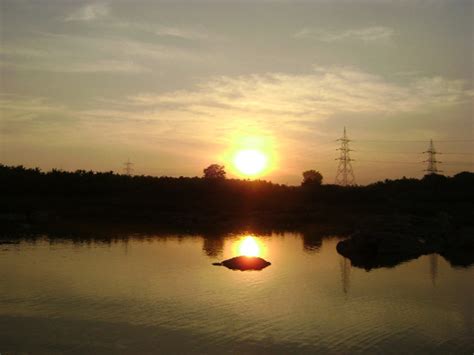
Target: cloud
{"points": [[275, 103], [188, 33], [85, 54], [31, 116], [89, 12], [318, 95], [368, 34], [92, 12], [101, 66]]}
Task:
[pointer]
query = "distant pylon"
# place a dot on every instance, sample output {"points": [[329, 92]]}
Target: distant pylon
{"points": [[128, 167], [345, 173], [432, 167]]}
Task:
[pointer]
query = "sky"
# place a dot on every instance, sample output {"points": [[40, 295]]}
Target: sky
{"points": [[175, 86]]}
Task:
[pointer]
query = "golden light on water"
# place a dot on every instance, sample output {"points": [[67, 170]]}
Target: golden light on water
{"points": [[249, 246]]}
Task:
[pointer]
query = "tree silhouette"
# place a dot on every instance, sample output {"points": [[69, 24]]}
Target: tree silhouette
{"points": [[312, 177], [214, 171]]}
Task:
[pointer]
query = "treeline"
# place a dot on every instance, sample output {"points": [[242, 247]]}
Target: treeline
{"points": [[62, 194]]}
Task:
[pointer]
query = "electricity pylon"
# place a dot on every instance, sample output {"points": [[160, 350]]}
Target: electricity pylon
{"points": [[345, 173], [432, 162], [128, 167]]}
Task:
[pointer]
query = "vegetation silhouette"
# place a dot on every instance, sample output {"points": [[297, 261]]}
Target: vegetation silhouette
{"points": [[312, 177], [214, 171], [436, 209]]}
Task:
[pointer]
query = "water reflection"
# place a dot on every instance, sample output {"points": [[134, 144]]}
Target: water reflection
{"points": [[249, 245], [313, 238], [213, 246], [433, 260], [345, 267], [312, 244], [162, 292]]}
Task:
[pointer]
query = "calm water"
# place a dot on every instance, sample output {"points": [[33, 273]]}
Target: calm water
{"points": [[160, 294]]}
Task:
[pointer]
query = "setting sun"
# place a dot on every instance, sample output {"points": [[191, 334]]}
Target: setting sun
{"points": [[250, 161]]}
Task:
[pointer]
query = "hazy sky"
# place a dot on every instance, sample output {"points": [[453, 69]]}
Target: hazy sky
{"points": [[177, 85]]}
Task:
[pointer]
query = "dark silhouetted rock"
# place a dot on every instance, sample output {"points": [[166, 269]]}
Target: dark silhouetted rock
{"points": [[459, 248], [243, 263], [459, 257], [385, 249], [369, 251]]}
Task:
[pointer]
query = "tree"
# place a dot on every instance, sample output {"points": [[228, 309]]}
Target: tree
{"points": [[312, 177], [214, 171]]}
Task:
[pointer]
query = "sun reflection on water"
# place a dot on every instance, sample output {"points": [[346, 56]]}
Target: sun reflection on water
{"points": [[249, 246]]}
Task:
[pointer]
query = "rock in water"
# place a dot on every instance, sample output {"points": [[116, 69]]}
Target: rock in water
{"points": [[243, 263]]}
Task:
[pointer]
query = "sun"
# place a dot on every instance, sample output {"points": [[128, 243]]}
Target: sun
{"points": [[250, 161]]}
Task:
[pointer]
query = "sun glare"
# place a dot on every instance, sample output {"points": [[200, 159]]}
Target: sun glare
{"points": [[250, 162], [249, 247]]}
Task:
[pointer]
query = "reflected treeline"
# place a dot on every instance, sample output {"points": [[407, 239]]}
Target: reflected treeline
{"points": [[312, 242], [213, 246], [313, 235], [213, 240], [106, 231]]}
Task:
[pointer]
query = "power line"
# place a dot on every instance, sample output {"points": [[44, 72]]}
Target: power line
{"points": [[395, 152], [457, 153], [412, 141], [387, 161], [378, 151], [408, 162]]}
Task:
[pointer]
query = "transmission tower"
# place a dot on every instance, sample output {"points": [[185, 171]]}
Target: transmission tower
{"points": [[345, 173], [128, 167], [432, 162]]}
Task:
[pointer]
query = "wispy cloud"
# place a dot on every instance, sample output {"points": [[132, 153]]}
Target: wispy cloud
{"points": [[91, 12], [185, 33], [318, 95], [24, 115], [78, 53], [368, 34], [88, 12], [101, 66], [188, 33], [267, 102]]}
